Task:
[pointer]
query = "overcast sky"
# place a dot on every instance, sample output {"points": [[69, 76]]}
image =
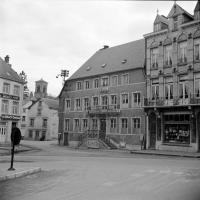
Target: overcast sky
{"points": [[44, 36]]}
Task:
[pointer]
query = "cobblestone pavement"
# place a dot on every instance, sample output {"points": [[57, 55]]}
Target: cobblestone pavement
{"points": [[78, 175]]}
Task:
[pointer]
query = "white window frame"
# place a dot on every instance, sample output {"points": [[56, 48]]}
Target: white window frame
{"points": [[138, 104], [182, 52], [93, 101], [86, 87], [77, 83], [154, 57], [121, 125], [96, 124], [6, 88], [123, 79], [67, 128], [102, 78], [115, 118], [104, 105], [133, 125], [77, 108], [84, 106], [168, 55], [66, 107], [124, 105], [5, 106], [197, 79], [96, 86], [15, 107], [74, 124], [113, 84], [16, 90], [83, 120]]}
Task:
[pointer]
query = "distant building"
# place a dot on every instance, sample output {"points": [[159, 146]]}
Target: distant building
{"points": [[173, 81], [105, 96], [40, 115], [11, 96]]}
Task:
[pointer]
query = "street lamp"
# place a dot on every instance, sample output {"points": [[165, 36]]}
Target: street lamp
{"points": [[63, 74]]}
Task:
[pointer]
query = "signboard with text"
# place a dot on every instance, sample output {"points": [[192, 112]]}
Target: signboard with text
{"points": [[7, 96], [10, 117]]}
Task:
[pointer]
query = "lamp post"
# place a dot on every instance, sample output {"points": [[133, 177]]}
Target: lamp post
{"points": [[64, 73]]}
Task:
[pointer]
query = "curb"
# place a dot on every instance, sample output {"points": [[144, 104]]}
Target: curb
{"points": [[20, 174], [165, 154]]}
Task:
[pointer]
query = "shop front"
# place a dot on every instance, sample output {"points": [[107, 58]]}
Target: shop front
{"points": [[174, 130]]}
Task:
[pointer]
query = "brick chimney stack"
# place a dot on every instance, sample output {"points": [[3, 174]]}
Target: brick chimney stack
{"points": [[7, 59]]}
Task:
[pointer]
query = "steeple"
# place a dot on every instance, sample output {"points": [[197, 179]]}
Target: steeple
{"points": [[197, 11]]}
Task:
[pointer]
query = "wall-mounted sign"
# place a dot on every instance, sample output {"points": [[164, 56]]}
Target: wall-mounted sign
{"points": [[7, 96], [10, 117]]}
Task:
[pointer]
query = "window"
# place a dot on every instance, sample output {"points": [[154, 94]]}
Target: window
{"points": [[154, 58], [38, 89], [39, 111], [94, 124], [155, 89], [5, 106], [6, 88], [76, 124], [44, 89], [32, 122], [104, 102], [175, 23], [182, 52], [23, 118], [78, 86], [114, 80], [87, 85], [67, 125], [96, 83], [44, 123], [136, 122], [85, 124], [168, 55], [77, 104], [124, 100], [105, 81], [16, 90], [124, 79], [156, 27], [183, 87], [124, 125], [15, 108], [197, 49], [136, 99], [113, 100], [95, 101], [197, 85], [168, 88], [86, 103], [113, 123], [68, 104]]}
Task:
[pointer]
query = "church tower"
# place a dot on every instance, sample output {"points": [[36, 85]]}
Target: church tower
{"points": [[197, 11], [40, 89]]}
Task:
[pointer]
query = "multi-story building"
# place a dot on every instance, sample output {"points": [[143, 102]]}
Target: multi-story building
{"points": [[11, 96], [173, 81], [105, 96]]}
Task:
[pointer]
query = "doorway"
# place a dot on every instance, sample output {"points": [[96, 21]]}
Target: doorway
{"points": [[102, 132], [152, 130]]}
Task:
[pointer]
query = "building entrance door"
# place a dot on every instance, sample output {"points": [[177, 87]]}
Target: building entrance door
{"points": [[102, 132], [152, 130]]}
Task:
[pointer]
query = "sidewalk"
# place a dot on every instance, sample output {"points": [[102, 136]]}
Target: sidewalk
{"points": [[167, 153]]}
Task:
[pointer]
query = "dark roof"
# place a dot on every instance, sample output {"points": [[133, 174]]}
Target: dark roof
{"points": [[52, 103], [197, 7], [161, 18], [41, 80], [177, 10], [6, 72], [123, 57]]}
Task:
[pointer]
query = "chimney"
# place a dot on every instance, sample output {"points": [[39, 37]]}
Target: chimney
{"points": [[105, 47], [7, 59]]}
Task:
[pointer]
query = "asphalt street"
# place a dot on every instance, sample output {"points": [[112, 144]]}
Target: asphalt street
{"points": [[69, 174]]}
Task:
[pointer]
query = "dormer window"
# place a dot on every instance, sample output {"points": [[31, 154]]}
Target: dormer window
{"points": [[175, 19], [156, 27]]}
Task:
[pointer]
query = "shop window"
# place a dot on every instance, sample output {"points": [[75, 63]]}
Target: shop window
{"points": [[177, 128]]}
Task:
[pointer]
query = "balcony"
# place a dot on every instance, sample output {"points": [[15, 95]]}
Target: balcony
{"points": [[104, 110], [176, 101]]}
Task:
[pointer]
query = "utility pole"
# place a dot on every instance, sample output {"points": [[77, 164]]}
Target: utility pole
{"points": [[63, 74]]}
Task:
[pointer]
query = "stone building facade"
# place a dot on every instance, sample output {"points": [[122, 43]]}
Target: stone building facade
{"points": [[104, 96], [173, 81]]}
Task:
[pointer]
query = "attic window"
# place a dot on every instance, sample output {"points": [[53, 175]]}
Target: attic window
{"points": [[124, 61], [103, 65], [88, 68]]}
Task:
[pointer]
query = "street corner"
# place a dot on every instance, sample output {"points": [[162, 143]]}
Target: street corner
{"points": [[7, 175]]}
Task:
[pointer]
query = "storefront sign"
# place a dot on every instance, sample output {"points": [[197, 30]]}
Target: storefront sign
{"points": [[10, 117], [7, 96]]}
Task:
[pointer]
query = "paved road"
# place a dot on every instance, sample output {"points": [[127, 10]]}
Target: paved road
{"points": [[83, 175]]}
